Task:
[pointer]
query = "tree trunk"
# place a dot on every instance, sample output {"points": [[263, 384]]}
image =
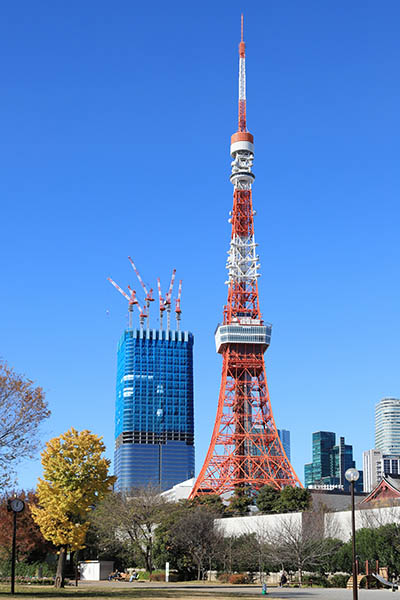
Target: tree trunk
{"points": [[148, 560], [198, 571], [59, 581], [300, 573]]}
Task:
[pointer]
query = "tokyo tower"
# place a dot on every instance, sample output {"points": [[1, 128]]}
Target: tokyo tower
{"points": [[245, 450]]}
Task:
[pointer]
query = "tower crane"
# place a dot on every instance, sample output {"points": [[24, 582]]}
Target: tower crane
{"points": [[131, 299], [167, 301], [143, 314], [148, 294], [178, 310], [161, 300]]}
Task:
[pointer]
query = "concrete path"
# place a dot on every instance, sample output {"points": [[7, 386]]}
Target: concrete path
{"points": [[249, 590]]}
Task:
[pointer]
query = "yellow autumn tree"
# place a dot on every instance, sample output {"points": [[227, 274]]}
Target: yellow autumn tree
{"points": [[75, 478]]}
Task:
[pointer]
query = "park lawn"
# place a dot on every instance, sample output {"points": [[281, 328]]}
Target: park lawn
{"points": [[29, 592]]}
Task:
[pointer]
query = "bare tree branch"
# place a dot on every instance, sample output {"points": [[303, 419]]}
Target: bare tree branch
{"points": [[22, 409]]}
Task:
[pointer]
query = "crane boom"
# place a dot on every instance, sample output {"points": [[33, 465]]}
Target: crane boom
{"points": [[138, 276], [119, 289], [171, 285], [178, 310]]}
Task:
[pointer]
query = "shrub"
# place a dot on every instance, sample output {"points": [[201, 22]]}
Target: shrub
{"points": [[25, 569], [223, 577], [157, 576], [160, 576], [31, 580], [318, 580], [238, 578], [339, 580]]}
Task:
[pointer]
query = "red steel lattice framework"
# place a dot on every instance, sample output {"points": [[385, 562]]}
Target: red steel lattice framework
{"points": [[245, 450]]}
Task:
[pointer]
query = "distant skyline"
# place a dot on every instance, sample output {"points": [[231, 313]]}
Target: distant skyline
{"points": [[116, 123]]}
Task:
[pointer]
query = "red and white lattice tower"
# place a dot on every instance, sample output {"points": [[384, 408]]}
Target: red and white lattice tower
{"points": [[245, 451]]}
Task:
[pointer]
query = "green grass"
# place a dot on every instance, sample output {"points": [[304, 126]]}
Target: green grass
{"points": [[29, 592]]}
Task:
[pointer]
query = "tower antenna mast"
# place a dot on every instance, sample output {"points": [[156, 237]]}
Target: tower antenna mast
{"points": [[245, 451]]}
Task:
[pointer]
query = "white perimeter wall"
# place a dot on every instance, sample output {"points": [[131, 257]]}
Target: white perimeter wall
{"points": [[336, 524], [259, 524]]}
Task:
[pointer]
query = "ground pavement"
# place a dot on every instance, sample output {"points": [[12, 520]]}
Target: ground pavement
{"points": [[250, 590]]}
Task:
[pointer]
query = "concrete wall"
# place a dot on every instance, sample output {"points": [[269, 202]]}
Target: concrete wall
{"points": [[258, 524], [331, 524], [338, 524]]}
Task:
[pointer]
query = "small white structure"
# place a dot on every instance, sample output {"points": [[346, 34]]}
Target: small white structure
{"points": [[180, 491], [95, 570]]}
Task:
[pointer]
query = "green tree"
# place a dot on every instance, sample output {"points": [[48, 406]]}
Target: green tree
{"points": [[165, 547], [378, 543], [239, 502], [268, 499], [22, 410], [211, 501], [75, 478], [293, 499]]}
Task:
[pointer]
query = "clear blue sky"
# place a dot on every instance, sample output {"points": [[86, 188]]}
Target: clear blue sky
{"points": [[115, 127]]}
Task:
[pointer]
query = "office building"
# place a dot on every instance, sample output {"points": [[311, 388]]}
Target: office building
{"points": [[330, 461], [387, 426], [284, 436], [377, 465], [154, 428]]}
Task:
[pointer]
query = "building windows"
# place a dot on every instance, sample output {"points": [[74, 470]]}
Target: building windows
{"points": [[160, 407]]}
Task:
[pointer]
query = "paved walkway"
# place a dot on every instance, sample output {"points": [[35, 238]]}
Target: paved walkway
{"points": [[284, 593]]}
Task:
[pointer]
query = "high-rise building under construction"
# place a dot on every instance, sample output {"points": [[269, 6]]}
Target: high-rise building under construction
{"points": [[154, 427]]}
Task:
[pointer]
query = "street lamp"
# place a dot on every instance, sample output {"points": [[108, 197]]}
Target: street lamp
{"points": [[352, 476]]}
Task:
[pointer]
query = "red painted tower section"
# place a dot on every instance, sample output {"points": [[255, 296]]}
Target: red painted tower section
{"points": [[245, 451]]}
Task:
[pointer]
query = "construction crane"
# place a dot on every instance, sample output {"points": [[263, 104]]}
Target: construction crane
{"points": [[167, 301], [131, 299], [162, 303], [148, 294], [143, 314], [178, 311]]}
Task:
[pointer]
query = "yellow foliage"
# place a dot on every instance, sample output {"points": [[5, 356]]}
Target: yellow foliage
{"points": [[75, 478]]}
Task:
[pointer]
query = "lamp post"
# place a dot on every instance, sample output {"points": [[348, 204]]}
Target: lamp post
{"points": [[352, 476], [16, 505]]}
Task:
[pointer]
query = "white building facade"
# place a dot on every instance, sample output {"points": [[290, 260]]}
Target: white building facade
{"points": [[387, 426], [376, 465]]}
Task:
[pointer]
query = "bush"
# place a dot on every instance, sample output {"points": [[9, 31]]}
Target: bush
{"points": [[31, 580], [157, 576], [160, 576], [339, 580], [318, 580], [223, 577], [238, 578], [24, 569]]}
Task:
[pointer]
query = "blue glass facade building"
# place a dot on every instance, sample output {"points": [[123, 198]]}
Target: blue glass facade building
{"points": [[154, 425], [284, 436], [330, 462]]}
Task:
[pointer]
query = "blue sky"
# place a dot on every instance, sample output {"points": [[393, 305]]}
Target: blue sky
{"points": [[115, 129]]}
